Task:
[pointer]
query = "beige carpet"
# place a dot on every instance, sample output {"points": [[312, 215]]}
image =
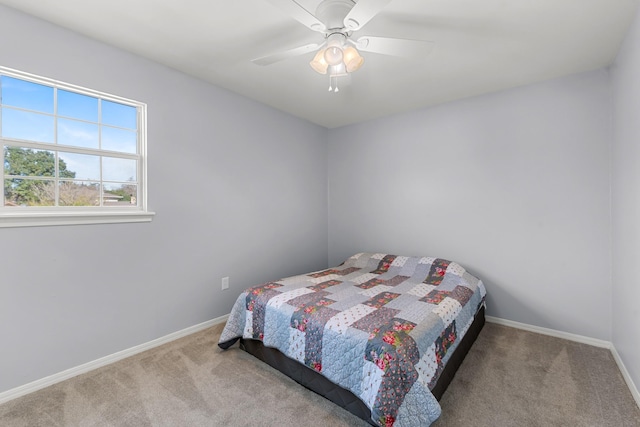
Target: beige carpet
{"points": [[509, 378]]}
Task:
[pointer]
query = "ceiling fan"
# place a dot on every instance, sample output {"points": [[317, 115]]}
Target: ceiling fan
{"points": [[339, 53]]}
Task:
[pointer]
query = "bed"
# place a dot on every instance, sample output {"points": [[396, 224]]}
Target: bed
{"points": [[380, 335]]}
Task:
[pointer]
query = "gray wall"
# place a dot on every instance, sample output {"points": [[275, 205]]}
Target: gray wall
{"points": [[626, 203], [513, 185], [234, 183]]}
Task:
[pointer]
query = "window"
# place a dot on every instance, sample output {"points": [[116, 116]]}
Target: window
{"points": [[71, 155]]}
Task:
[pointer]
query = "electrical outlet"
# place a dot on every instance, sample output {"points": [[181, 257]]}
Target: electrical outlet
{"points": [[225, 283]]}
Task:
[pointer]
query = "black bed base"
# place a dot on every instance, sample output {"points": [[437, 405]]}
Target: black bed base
{"points": [[342, 397]]}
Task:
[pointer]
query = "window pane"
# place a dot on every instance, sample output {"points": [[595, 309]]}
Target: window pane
{"points": [[120, 195], [28, 192], [23, 94], [79, 166], [78, 134], [28, 126], [114, 169], [64, 146], [119, 140], [124, 116], [27, 162], [79, 193], [77, 106]]}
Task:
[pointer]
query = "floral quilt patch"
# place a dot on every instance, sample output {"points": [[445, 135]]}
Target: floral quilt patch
{"points": [[437, 272]]}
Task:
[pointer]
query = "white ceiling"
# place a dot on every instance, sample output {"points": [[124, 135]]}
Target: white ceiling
{"points": [[480, 46]]}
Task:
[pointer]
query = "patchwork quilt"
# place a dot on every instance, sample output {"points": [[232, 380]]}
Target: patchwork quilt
{"points": [[381, 326]]}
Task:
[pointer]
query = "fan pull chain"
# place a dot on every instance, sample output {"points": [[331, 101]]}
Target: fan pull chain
{"points": [[333, 88]]}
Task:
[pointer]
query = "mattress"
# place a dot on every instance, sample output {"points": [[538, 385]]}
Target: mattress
{"points": [[380, 326]]}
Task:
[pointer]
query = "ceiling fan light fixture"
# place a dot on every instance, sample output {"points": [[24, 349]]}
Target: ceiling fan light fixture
{"points": [[318, 62], [339, 55]]}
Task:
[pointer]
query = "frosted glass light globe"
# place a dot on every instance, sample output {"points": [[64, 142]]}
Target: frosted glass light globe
{"points": [[352, 59], [318, 63], [333, 55]]}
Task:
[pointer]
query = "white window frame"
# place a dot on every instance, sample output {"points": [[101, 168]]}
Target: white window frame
{"points": [[64, 215]]}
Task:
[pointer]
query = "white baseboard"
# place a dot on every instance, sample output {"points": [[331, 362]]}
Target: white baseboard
{"points": [[626, 376], [577, 338], [103, 361], [551, 332]]}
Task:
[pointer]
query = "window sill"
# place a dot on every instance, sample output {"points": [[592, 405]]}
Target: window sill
{"points": [[40, 219]]}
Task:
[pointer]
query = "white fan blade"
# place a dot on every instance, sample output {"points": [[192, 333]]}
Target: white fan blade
{"points": [[299, 13], [412, 49], [362, 13], [270, 59]]}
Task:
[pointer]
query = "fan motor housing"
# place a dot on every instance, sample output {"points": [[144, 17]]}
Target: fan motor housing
{"points": [[332, 13]]}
